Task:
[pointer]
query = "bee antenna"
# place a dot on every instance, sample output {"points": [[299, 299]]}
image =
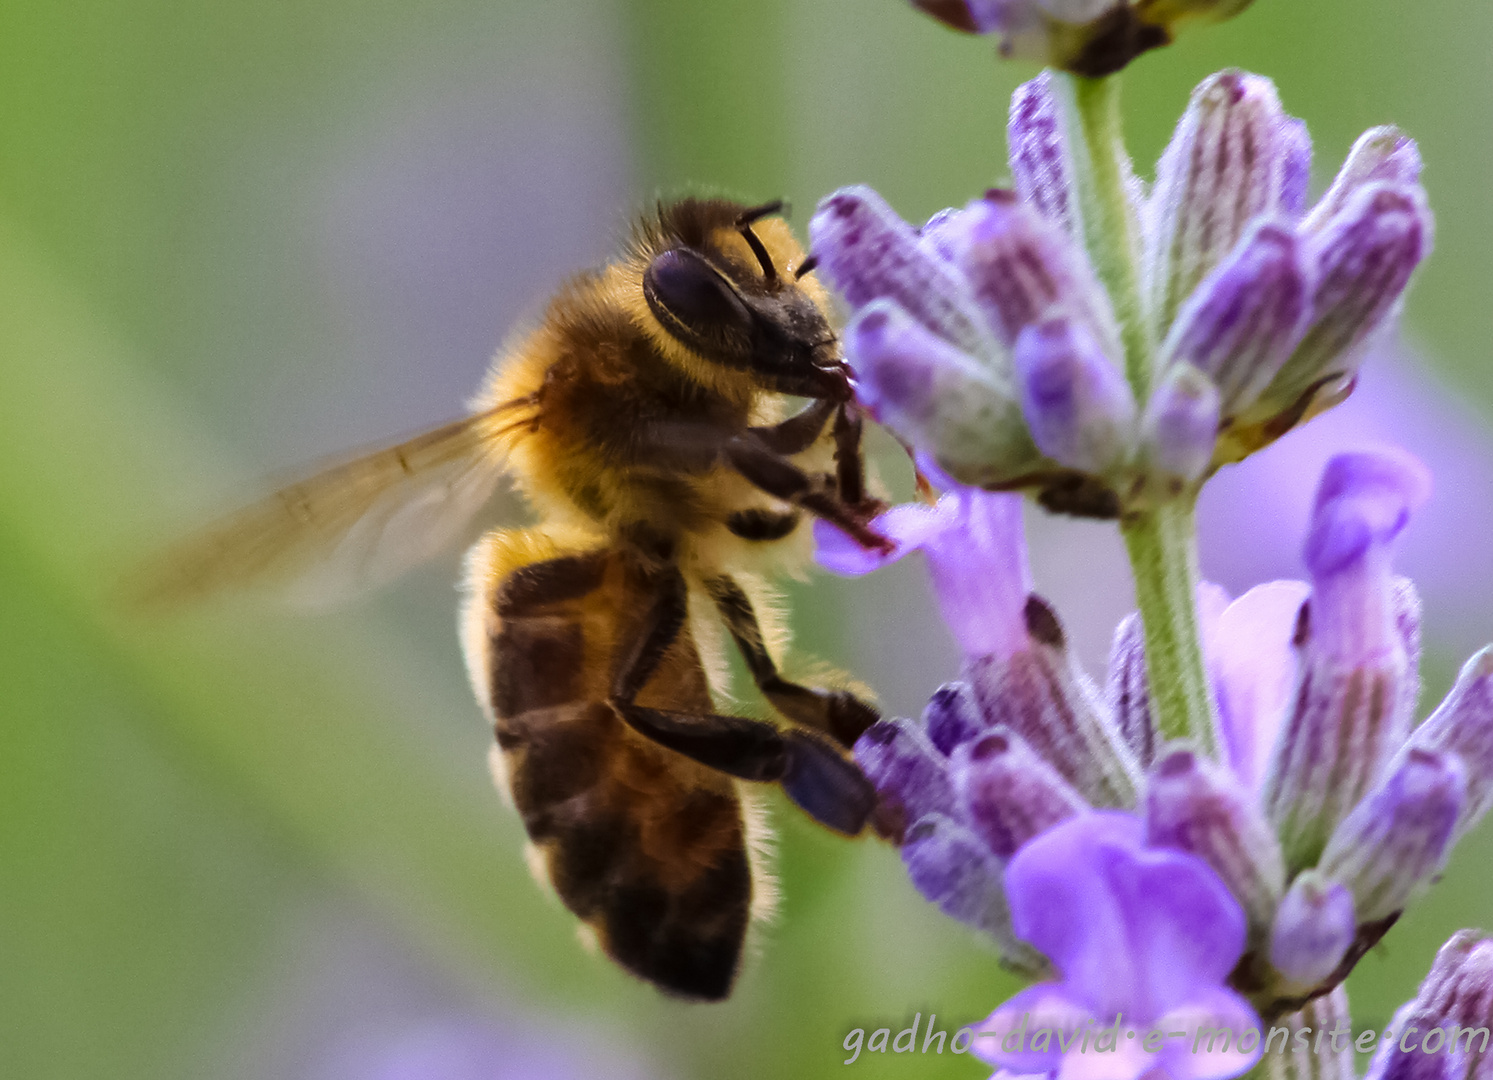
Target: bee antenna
{"points": [[744, 223], [807, 266], [756, 213]]}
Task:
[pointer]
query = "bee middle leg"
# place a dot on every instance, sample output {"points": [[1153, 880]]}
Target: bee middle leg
{"points": [[837, 712], [813, 771]]}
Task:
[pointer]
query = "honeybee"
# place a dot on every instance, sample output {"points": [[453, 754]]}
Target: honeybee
{"points": [[645, 421]]}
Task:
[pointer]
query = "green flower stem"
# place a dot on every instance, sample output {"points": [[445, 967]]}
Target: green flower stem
{"points": [[1162, 545], [1161, 541], [1111, 232]]}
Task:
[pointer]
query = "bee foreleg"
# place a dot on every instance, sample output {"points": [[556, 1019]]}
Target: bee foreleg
{"points": [[837, 712], [779, 477], [800, 431], [850, 466]]}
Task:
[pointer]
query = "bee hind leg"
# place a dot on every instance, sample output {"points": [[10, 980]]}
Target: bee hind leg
{"points": [[838, 712], [813, 772]]}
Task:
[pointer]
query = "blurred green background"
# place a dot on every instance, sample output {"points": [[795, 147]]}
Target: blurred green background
{"points": [[235, 237]]}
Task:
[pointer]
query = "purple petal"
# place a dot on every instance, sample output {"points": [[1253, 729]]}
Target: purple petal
{"points": [[1040, 166], [1005, 1037], [869, 253], [976, 554], [1253, 668], [980, 572], [1077, 405], [1246, 317], [908, 526], [1205, 1056], [1364, 501], [1130, 929]]}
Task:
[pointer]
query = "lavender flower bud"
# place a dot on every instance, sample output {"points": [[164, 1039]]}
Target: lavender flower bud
{"points": [[1234, 155], [1128, 694], [1459, 985], [1041, 167], [1362, 260], [1196, 806], [1463, 725], [1024, 267], [1351, 710], [934, 395], [1040, 694], [1313, 930], [1328, 1054], [1394, 842], [910, 776], [869, 253], [1384, 154], [1403, 1057], [1007, 794], [1180, 428], [951, 717], [951, 866], [1246, 316], [1077, 406], [1296, 174]]}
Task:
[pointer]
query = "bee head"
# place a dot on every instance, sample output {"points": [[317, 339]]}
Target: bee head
{"points": [[731, 298]]}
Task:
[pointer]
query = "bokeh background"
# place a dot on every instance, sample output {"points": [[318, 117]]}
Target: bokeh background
{"points": [[236, 237]]}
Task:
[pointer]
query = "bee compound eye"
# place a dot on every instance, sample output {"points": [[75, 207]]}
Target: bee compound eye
{"points": [[692, 300]]}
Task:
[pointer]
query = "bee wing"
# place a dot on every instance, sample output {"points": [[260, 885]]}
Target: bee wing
{"points": [[351, 526]]}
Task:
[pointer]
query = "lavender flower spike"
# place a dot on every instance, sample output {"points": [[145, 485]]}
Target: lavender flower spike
{"points": [[1313, 930], [1078, 407], [1235, 156], [1143, 939], [1393, 844], [1355, 690]]}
